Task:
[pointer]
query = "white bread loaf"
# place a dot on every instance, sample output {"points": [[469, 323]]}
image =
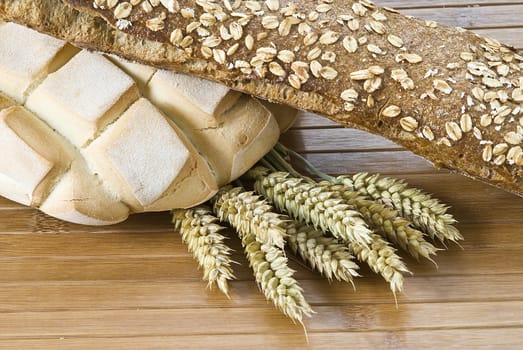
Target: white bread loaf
{"points": [[91, 139]]}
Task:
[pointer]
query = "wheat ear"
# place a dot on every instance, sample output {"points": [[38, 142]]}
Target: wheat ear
{"points": [[275, 278], [247, 213], [425, 212], [201, 233], [387, 222], [325, 254], [312, 204], [383, 260]]}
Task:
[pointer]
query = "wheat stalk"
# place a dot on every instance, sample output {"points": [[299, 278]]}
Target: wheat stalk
{"points": [[201, 233], [382, 259], [425, 212], [325, 254], [239, 208], [387, 222], [249, 212], [311, 203]]}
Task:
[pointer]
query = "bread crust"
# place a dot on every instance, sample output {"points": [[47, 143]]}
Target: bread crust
{"points": [[446, 94]]}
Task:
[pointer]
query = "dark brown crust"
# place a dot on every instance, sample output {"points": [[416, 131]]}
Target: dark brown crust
{"points": [[437, 45]]}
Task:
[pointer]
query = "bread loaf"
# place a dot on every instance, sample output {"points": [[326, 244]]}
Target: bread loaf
{"points": [[90, 139], [446, 94]]}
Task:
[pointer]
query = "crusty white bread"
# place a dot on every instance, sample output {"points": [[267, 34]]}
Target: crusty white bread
{"points": [[92, 139]]}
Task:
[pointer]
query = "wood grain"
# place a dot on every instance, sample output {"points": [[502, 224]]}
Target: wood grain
{"points": [[135, 286]]}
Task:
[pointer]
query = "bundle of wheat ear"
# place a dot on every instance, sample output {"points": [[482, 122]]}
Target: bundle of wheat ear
{"points": [[93, 160], [329, 224]]}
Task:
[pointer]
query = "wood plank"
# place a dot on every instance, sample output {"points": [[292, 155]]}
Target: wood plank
{"points": [[501, 338], [383, 317], [341, 140], [311, 120], [169, 245], [465, 338], [163, 342], [90, 269], [34, 221], [6, 204], [472, 17], [117, 295], [60, 269], [92, 245], [401, 162], [510, 36]]}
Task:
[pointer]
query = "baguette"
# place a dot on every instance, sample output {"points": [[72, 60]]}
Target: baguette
{"points": [[446, 94], [91, 139]]}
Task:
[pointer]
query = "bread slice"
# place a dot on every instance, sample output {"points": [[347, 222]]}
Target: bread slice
{"points": [[446, 94], [86, 146]]}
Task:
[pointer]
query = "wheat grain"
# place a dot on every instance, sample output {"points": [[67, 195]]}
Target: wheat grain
{"points": [[325, 254], [248, 212], [382, 259], [201, 233], [312, 204], [425, 212], [387, 222]]}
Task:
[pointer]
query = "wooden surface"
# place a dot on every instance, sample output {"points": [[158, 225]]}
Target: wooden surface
{"points": [[134, 286]]}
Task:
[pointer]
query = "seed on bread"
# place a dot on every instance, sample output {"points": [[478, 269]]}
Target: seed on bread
{"points": [[395, 41], [123, 10], [391, 111], [409, 124]]}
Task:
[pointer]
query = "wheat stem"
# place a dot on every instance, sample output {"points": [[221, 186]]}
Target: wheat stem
{"points": [[201, 233]]}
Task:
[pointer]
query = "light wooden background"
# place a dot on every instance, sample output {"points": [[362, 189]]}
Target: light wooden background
{"points": [[134, 286]]}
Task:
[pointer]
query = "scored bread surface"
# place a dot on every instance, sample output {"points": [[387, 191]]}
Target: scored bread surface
{"points": [[87, 143], [446, 94]]}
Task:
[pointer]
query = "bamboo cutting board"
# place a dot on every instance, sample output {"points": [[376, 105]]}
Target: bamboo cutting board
{"points": [[135, 286]]}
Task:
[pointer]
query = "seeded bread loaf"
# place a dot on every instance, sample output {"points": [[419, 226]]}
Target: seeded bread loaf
{"points": [[446, 94], [83, 144]]}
